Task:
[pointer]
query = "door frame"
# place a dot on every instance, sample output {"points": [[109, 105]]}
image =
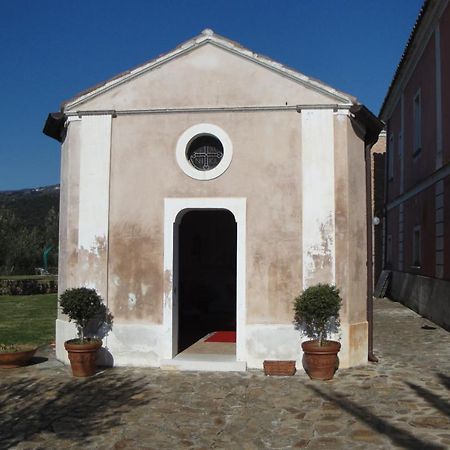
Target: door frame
{"points": [[172, 217]]}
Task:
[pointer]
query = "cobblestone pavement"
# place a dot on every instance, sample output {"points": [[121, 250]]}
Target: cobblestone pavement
{"points": [[401, 402]]}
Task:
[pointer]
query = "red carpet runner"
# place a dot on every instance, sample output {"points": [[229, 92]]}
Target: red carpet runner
{"points": [[222, 336]]}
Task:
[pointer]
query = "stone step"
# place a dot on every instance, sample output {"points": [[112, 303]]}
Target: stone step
{"points": [[209, 363]]}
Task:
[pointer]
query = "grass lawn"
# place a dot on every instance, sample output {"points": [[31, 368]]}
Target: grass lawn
{"points": [[28, 319]]}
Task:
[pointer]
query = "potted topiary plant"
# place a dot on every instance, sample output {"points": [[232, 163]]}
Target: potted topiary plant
{"points": [[82, 305], [317, 316]]}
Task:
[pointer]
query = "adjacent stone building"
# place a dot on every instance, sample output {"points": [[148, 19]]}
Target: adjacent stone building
{"points": [[378, 154], [203, 191], [417, 113]]}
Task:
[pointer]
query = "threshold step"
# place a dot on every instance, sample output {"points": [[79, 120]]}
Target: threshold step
{"points": [[203, 363]]}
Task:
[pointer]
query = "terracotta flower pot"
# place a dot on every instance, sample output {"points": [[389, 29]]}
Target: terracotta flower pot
{"points": [[83, 356], [320, 362], [279, 368], [17, 359]]}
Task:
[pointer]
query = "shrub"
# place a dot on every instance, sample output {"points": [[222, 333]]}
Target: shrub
{"points": [[317, 311], [81, 305], [28, 286]]}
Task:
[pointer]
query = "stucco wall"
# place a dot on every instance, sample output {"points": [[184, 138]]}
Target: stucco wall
{"points": [[68, 237], [274, 153], [265, 169], [351, 254], [206, 77]]}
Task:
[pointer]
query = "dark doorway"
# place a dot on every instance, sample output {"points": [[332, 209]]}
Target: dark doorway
{"points": [[207, 275]]}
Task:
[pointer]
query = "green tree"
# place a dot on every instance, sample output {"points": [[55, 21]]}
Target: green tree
{"points": [[51, 236], [9, 226]]}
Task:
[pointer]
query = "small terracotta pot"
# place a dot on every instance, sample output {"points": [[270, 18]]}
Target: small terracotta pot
{"points": [[16, 359], [320, 362], [279, 368], [83, 356]]}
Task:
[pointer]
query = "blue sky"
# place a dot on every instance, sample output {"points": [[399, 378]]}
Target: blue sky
{"points": [[51, 50]]}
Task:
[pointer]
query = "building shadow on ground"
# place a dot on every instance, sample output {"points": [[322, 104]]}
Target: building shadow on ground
{"points": [[434, 400], [72, 409], [398, 436], [445, 380]]}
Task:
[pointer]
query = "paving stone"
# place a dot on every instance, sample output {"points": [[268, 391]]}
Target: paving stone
{"points": [[366, 436], [327, 443], [327, 428], [403, 398], [434, 422], [124, 443], [302, 443]]}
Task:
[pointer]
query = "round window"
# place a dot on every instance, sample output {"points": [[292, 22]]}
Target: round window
{"points": [[204, 152]]}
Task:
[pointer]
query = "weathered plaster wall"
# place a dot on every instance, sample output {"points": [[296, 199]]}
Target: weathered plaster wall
{"points": [[357, 241], [270, 150], [68, 224], [351, 257], [354, 256], [265, 169], [68, 228], [342, 206], [202, 79], [318, 202], [93, 207]]}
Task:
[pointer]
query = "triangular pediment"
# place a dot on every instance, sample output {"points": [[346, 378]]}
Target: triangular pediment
{"points": [[207, 71]]}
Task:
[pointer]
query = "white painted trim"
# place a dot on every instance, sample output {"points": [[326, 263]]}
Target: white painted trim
{"points": [[64, 331], [188, 136], [204, 362], [273, 341], [74, 118], [139, 345], [127, 344], [172, 208], [94, 186], [224, 44], [340, 109], [318, 202], [353, 349], [95, 152]]}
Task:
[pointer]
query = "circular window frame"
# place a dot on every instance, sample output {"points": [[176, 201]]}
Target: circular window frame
{"points": [[194, 132]]}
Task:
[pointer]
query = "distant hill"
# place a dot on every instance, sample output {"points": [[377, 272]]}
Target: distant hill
{"points": [[31, 206]]}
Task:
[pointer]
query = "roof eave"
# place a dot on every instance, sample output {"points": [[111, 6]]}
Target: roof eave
{"points": [[428, 13], [207, 36]]}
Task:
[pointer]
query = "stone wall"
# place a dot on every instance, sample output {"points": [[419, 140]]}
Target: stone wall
{"points": [[425, 295]]}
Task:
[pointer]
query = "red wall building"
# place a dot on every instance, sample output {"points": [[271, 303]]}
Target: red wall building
{"points": [[416, 111]]}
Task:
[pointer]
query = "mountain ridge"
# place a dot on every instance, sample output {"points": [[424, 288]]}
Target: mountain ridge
{"points": [[49, 188]]}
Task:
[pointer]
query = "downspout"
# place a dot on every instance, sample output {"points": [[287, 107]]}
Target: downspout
{"points": [[369, 222], [372, 127]]}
